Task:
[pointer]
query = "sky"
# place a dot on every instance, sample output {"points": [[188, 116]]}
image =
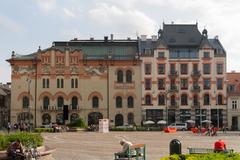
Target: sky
{"points": [[27, 24]]}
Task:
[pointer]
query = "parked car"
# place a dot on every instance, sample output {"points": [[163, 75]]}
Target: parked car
{"points": [[179, 126]]}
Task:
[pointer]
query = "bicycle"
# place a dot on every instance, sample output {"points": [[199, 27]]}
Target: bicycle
{"points": [[31, 152]]}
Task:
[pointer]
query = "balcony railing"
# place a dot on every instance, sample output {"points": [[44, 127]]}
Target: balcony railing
{"points": [[196, 88], [48, 108], [173, 105], [196, 74], [173, 74], [196, 105], [173, 88]]}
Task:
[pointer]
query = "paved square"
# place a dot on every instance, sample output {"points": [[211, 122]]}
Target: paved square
{"points": [[101, 146]]}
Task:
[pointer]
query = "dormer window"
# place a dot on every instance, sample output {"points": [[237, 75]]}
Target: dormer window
{"points": [[206, 55]]}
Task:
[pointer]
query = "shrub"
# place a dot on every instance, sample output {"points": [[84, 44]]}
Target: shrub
{"points": [[40, 130], [212, 156], [3, 142], [78, 123], [25, 137]]}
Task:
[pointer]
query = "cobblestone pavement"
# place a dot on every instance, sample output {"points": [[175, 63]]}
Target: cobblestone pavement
{"points": [[101, 146]]}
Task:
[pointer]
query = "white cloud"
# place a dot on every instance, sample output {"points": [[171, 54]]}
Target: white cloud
{"points": [[46, 5], [69, 13], [7, 24], [126, 21]]}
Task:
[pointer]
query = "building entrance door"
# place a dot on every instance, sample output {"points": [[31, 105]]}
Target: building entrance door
{"points": [[234, 123]]}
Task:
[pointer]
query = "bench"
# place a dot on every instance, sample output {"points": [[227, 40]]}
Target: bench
{"points": [[136, 151], [205, 150]]}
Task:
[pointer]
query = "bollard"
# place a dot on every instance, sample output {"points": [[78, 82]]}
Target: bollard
{"points": [[175, 147]]}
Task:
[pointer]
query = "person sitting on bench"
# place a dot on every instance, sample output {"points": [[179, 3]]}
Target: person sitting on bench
{"points": [[219, 146], [125, 144]]}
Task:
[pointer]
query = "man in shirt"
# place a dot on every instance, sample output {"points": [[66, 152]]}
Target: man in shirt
{"points": [[15, 150]]}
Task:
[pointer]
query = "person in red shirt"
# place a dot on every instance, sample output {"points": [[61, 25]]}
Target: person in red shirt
{"points": [[219, 146]]}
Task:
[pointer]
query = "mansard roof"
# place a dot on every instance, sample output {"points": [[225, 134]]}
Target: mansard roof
{"points": [[92, 49], [181, 35]]}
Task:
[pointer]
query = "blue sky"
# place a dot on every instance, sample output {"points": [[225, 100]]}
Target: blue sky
{"points": [[27, 24]]}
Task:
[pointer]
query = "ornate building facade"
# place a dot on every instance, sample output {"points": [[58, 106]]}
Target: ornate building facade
{"points": [[5, 101], [183, 76], [93, 78], [233, 91]]}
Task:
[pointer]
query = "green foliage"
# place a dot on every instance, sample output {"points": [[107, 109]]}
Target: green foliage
{"points": [[3, 142], [39, 130], [212, 156], [78, 123], [26, 138]]}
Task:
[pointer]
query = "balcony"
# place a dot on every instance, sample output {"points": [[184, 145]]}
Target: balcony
{"points": [[48, 108], [173, 105], [173, 88], [74, 108], [173, 74], [196, 74], [196, 88], [195, 105]]}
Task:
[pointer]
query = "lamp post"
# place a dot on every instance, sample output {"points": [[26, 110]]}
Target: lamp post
{"points": [[29, 116]]}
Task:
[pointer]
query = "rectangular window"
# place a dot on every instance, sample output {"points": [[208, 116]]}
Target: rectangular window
{"points": [[161, 55], [161, 84], [58, 83], [195, 68], [206, 84], [206, 68], [147, 84], [184, 84], [161, 68], [184, 69], [172, 68], [219, 83], [234, 104], [219, 68], [72, 83], [206, 55], [47, 85], [44, 83], [62, 83], [76, 83], [148, 69]]}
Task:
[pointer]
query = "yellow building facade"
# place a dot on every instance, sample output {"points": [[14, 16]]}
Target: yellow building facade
{"points": [[91, 79]]}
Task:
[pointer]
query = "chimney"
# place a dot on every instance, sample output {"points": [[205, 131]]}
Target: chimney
{"points": [[154, 38], [111, 37], [91, 38], [143, 37], [105, 38]]}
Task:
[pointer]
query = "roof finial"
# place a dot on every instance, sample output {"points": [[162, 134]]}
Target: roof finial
{"points": [[39, 48], [13, 54]]}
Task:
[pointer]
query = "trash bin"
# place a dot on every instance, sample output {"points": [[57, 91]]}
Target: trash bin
{"points": [[175, 147]]}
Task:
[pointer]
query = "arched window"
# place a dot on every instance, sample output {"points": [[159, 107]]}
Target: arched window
{"points": [[74, 102], [60, 102], [119, 102], [220, 99], [74, 117], [161, 100], [130, 102], [173, 100], [119, 120], [184, 99], [46, 119], [59, 118], [129, 76], [148, 100], [25, 102], [206, 99], [45, 102], [95, 103], [130, 118], [120, 76]]}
